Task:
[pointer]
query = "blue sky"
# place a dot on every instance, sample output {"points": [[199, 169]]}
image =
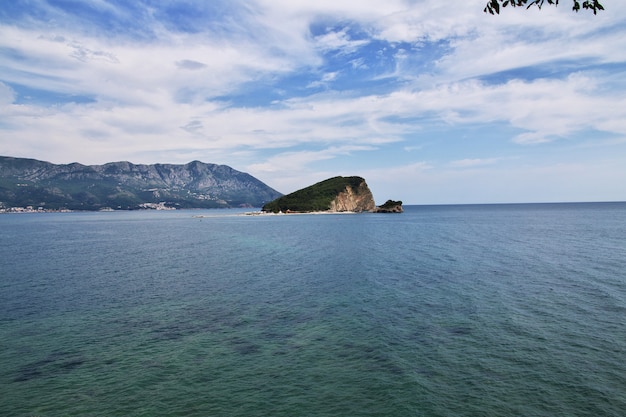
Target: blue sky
{"points": [[432, 102]]}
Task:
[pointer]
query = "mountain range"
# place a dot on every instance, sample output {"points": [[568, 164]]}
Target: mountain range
{"points": [[124, 185]]}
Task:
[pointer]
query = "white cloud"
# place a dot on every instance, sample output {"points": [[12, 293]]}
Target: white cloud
{"points": [[326, 79], [7, 95], [190, 64], [544, 109], [133, 72], [473, 162], [532, 138], [281, 167], [338, 41], [293, 161]]}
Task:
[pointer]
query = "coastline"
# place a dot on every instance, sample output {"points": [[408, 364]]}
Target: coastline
{"points": [[291, 213]]}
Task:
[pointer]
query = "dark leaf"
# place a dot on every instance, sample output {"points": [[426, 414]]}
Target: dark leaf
{"points": [[493, 6]]}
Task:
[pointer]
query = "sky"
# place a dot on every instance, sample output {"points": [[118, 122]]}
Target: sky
{"points": [[431, 101]]}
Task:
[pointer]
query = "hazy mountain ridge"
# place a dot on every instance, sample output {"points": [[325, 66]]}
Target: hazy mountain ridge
{"points": [[124, 185]]}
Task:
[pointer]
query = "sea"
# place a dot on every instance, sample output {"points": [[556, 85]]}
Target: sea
{"points": [[467, 310]]}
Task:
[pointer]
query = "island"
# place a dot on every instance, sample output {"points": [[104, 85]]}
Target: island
{"points": [[390, 206], [334, 195]]}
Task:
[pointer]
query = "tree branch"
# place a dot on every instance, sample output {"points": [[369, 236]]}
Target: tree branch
{"points": [[493, 6]]}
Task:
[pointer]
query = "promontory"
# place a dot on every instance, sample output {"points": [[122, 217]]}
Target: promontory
{"points": [[334, 195]]}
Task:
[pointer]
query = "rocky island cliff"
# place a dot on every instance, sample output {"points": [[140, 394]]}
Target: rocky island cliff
{"points": [[334, 195], [390, 206]]}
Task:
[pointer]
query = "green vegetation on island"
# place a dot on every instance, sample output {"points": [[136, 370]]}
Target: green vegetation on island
{"points": [[317, 197], [389, 204]]}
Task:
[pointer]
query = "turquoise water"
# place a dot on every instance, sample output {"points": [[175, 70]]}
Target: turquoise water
{"points": [[497, 310]]}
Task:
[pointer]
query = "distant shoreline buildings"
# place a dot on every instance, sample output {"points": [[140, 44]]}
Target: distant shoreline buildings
{"points": [[32, 209]]}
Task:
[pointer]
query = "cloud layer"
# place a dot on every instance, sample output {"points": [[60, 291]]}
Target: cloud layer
{"points": [[433, 102]]}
